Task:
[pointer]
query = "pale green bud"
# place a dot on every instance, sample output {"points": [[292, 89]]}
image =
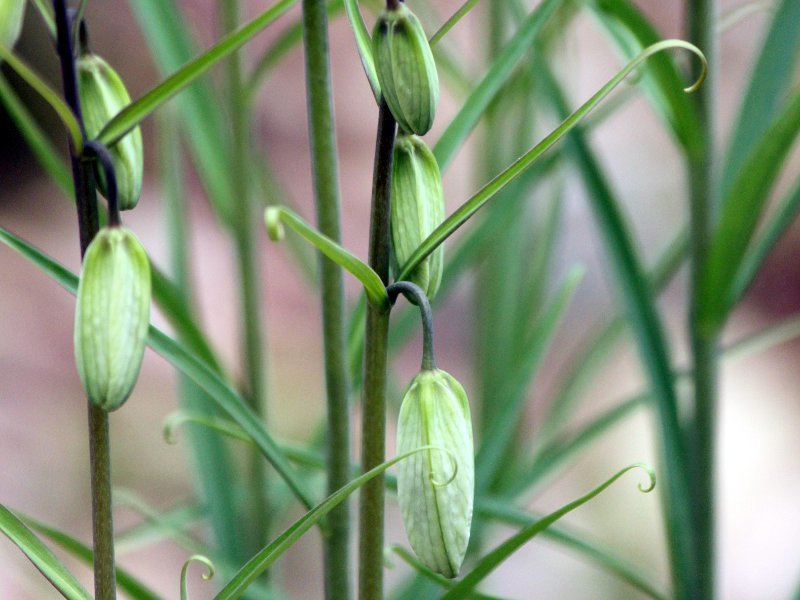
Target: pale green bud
{"points": [[406, 69], [435, 487], [417, 209], [12, 13], [112, 316], [103, 95]]}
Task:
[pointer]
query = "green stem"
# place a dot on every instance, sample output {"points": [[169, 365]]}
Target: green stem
{"points": [[99, 438], [701, 30], [326, 192], [373, 423], [245, 240]]}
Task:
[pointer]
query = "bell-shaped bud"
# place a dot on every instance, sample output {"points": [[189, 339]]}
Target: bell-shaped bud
{"points": [[417, 209], [435, 487], [103, 95], [12, 13], [406, 69], [112, 316]]}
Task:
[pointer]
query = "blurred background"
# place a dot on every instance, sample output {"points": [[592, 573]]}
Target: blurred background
{"points": [[43, 447]]}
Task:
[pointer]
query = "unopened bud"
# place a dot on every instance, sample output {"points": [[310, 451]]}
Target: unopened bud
{"points": [[406, 69], [435, 487], [103, 95], [417, 209], [112, 316]]}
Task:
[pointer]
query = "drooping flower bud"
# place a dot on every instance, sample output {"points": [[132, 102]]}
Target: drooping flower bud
{"points": [[112, 316], [406, 69], [12, 13], [435, 487], [417, 209], [103, 95]]}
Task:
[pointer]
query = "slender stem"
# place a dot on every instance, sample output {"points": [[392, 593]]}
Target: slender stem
{"points": [[245, 241], [415, 295], [99, 438], [326, 191], [701, 31], [373, 423]]}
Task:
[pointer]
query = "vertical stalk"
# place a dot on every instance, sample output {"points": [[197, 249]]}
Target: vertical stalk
{"points": [[701, 32], [373, 424], [326, 192], [99, 438], [246, 220]]}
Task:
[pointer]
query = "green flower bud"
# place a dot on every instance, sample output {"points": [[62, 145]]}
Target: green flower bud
{"points": [[103, 95], [406, 69], [417, 209], [112, 316], [12, 13], [435, 486]]}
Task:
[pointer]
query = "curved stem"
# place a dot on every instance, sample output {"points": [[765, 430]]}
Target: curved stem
{"points": [[373, 424], [326, 192], [99, 438], [96, 150], [416, 296]]}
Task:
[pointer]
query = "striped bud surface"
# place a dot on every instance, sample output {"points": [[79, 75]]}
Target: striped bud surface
{"points": [[12, 13], [112, 316], [435, 501], [406, 69], [103, 95], [417, 209]]}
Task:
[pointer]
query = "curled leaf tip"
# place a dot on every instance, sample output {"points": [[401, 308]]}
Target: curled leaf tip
{"points": [[651, 484], [453, 464], [171, 423], [272, 219], [703, 64], [207, 574]]}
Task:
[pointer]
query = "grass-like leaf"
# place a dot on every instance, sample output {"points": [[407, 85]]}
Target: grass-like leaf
{"points": [[503, 513], [499, 434], [741, 210], [495, 558], [471, 206], [41, 146], [631, 31], [261, 561], [451, 22], [189, 364], [494, 80], [770, 80], [364, 46], [277, 216], [127, 582], [134, 113], [39, 554], [48, 95]]}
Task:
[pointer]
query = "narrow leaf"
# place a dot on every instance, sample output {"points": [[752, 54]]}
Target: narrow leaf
{"points": [[740, 213], [451, 22], [127, 582], [483, 94], [44, 560], [41, 146], [189, 364], [471, 206], [261, 561], [135, 112], [364, 46], [276, 216], [495, 558], [48, 95], [769, 82]]}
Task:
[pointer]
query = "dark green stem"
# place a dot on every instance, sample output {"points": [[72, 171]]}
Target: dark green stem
{"points": [[246, 226], [326, 191], [701, 32], [99, 439], [417, 296], [373, 422]]}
